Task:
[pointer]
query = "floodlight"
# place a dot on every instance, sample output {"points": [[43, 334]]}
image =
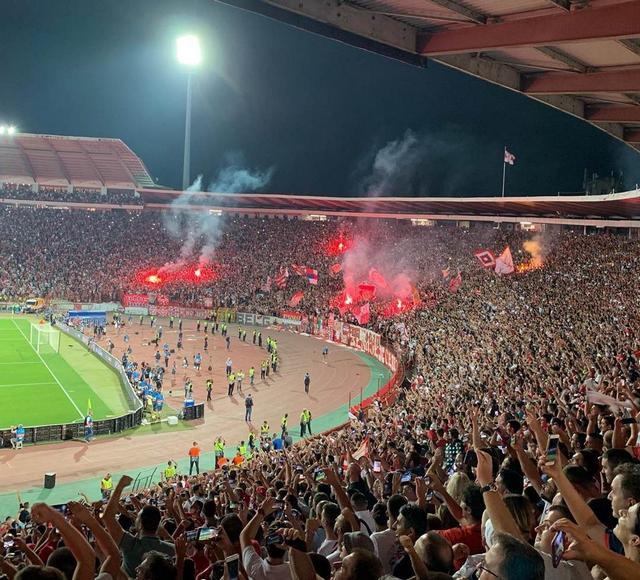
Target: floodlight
{"points": [[188, 50], [11, 130], [3, 129]]}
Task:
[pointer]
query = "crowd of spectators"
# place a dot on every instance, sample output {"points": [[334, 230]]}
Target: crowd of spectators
{"points": [[512, 454], [10, 191]]}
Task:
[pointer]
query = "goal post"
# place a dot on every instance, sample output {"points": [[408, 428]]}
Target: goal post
{"points": [[44, 338]]}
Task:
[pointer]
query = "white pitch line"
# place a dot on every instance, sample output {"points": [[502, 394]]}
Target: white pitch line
{"points": [[25, 384], [50, 371]]}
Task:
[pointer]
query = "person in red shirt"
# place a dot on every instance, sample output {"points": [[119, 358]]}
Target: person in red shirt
{"points": [[194, 458]]}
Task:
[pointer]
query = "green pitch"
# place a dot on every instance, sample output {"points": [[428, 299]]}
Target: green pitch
{"points": [[52, 388]]}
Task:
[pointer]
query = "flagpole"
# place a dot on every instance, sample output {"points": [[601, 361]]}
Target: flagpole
{"points": [[504, 169]]}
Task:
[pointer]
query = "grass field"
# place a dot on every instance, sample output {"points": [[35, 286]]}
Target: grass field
{"points": [[52, 388]]}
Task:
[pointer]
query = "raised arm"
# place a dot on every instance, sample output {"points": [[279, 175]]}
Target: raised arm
{"points": [[73, 539], [109, 516]]}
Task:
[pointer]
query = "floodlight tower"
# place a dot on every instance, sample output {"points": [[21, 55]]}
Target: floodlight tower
{"points": [[189, 54]]}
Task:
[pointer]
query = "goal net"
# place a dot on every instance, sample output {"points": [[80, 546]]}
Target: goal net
{"points": [[44, 338]]}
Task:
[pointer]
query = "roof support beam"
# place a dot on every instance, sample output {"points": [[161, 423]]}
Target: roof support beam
{"points": [[629, 114], [458, 8], [616, 21], [625, 81], [564, 58], [631, 45], [564, 4], [632, 135]]}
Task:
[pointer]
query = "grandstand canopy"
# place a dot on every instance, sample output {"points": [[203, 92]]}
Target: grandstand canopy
{"points": [[579, 56], [51, 160], [617, 206]]}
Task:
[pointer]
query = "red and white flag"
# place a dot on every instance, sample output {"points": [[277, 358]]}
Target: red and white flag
{"points": [[299, 270], [362, 313], [281, 278], [312, 276], [504, 262], [509, 158], [486, 257], [335, 269], [455, 283], [361, 451], [295, 299]]}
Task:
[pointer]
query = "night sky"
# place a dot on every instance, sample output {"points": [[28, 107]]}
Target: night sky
{"points": [[315, 110]]}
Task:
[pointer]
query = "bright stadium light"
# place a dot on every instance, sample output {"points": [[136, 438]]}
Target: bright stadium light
{"points": [[3, 129], [190, 55], [11, 130], [188, 50]]}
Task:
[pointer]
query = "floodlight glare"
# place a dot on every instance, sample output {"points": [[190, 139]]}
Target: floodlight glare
{"points": [[11, 130], [188, 50], [3, 129]]}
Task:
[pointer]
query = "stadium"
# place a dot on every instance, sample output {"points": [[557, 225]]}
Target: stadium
{"points": [[202, 382]]}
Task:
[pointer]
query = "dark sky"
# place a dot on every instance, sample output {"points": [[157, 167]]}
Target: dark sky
{"points": [[315, 110]]}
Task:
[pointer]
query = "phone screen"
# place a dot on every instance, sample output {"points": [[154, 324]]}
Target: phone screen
{"points": [[406, 477], [557, 548], [319, 475], [207, 534], [233, 566], [377, 467], [552, 449]]}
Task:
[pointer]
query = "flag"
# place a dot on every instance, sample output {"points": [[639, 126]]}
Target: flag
{"points": [[362, 313], [367, 291], [89, 407], [295, 299], [454, 283], [509, 158], [281, 278], [312, 276], [486, 257], [266, 287], [446, 272], [335, 269], [299, 270], [504, 262], [362, 450]]}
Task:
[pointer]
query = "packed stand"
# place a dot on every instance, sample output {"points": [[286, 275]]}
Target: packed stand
{"points": [[511, 454], [10, 191]]}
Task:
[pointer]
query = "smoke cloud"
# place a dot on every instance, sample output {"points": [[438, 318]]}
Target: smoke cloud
{"points": [[430, 164], [200, 231]]}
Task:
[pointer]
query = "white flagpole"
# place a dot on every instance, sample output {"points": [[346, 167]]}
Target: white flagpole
{"points": [[504, 169]]}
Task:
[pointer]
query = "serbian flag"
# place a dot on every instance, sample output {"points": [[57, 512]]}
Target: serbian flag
{"points": [[312, 276], [299, 270], [295, 299], [509, 158], [504, 262], [281, 278], [455, 283], [335, 269], [486, 257]]}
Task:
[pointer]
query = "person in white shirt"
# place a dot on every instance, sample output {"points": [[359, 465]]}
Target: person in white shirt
{"points": [[330, 513], [271, 568], [385, 542]]}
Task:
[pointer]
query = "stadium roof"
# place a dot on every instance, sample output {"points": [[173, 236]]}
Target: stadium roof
{"points": [[579, 56], [624, 206], [76, 161]]}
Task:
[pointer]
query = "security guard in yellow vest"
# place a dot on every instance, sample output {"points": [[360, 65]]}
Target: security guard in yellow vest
{"points": [[170, 470], [106, 486], [264, 430]]}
